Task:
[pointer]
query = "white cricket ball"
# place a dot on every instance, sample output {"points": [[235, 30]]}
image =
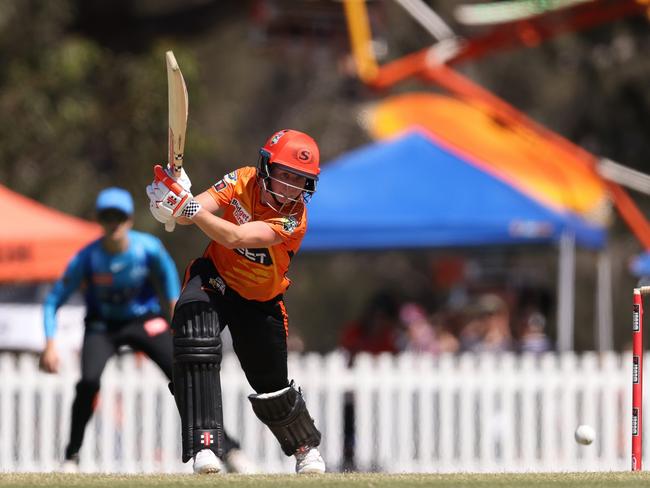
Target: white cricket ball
{"points": [[585, 434]]}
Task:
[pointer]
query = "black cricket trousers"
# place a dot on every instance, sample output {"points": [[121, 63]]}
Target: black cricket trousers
{"points": [[258, 329]]}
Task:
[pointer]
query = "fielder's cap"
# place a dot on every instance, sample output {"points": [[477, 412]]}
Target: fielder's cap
{"points": [[115, 198]]}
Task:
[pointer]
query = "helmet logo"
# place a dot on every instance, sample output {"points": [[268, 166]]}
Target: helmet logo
{"points": [[276, 137], [304, 155]]}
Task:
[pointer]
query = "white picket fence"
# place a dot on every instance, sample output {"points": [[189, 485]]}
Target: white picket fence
{"points": [[489, 413]]}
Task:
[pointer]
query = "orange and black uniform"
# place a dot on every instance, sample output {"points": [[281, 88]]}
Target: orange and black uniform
{"points": [[245, 286], [242, 289], [256, 274]]}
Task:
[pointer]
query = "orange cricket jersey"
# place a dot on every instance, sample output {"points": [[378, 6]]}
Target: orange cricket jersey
{"points": [[256, 274]]}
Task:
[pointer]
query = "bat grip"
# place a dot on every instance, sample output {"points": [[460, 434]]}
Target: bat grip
{"points": [[169, 226], [178, 171], [161, 175]]}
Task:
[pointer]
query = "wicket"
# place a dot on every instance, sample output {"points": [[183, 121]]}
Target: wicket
{"points": [[637, 377]]}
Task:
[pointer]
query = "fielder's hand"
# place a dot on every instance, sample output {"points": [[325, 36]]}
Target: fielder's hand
{"points": [[169, 200], [49, 360]]}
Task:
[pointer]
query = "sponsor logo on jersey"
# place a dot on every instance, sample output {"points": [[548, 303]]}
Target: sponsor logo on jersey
{"points": [[240, 213], [289, 224], [260, 256], [231, 177], [219, 185]]}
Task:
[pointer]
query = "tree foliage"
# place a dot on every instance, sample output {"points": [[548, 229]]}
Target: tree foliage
{"points": [[83, 99], [77, 115]]}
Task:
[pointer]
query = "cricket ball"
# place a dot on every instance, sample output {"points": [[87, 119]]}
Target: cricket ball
{"points": [[585, 434]]}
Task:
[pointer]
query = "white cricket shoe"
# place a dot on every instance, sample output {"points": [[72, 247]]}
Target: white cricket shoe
{"points": [[309, 460], [70, 466], [206, 462], [236, 461]]}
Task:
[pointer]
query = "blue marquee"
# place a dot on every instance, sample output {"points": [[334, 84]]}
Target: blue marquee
{"points": [[410, 192]]}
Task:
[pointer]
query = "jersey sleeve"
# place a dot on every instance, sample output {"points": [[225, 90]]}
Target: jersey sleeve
{"points": [[164, 267], [62, 290], [223, 190], [290, 229]]}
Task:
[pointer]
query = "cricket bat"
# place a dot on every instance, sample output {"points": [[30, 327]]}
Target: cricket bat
{"points": [[178, 108]]}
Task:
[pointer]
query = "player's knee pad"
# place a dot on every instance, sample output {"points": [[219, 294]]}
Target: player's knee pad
{"points": [[285, 413], [196, 381]]}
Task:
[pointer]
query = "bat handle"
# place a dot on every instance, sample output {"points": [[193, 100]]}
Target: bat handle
{"points": [[176, 170], [161, 175], [169, 226]]}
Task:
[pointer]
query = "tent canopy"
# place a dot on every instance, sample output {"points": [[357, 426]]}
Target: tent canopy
{"points": [[558, 176], [36, 241], [412, 192]]}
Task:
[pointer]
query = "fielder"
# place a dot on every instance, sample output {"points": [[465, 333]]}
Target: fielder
{"points": [[119, 274], [239, 282]]}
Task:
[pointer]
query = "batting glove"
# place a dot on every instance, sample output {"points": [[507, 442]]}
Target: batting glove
{"points": [[183, 179], [169, 200]]}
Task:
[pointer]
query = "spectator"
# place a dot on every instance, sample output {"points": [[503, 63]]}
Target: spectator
{"points": [[419, 335], [447, 341], [488, 328], [534, 304], [423, 335], [533, 337]]}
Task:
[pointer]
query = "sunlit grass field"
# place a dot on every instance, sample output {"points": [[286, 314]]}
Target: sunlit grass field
{"points": [[374, 480]]}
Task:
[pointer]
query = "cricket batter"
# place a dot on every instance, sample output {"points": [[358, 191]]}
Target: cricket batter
{"points": [[119, 274], [239, 282]]}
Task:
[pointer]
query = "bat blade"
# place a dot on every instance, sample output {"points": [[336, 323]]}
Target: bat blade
{"points": [[178, 108]]}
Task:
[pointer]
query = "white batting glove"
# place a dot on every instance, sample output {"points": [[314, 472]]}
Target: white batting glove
{"points": [[183, 179], [161, 214], [156, 193], [170, 199]]}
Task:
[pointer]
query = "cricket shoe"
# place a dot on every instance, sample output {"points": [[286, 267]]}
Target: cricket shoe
{"points": [[70, 465], [207, 462], [309, 461], [236, 461]]}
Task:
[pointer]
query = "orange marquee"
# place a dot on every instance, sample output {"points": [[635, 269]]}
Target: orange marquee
{"points": [[36, 242]]}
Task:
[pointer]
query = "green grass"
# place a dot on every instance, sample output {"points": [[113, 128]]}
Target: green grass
{"points": [[551, 480]]}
